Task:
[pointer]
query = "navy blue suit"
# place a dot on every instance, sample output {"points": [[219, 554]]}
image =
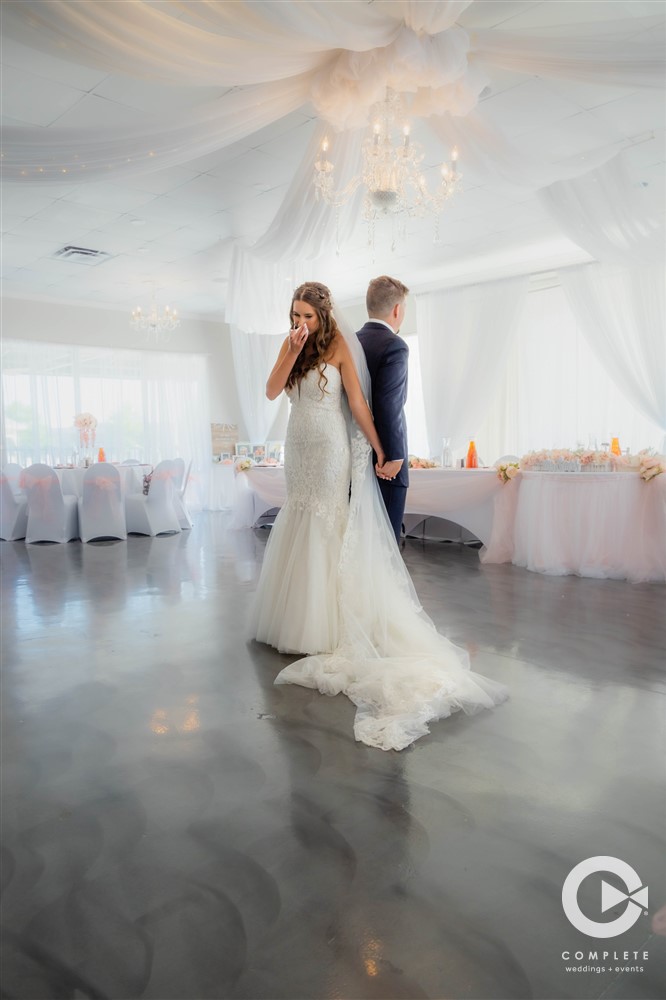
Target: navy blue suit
{"points": [[387, 357]]}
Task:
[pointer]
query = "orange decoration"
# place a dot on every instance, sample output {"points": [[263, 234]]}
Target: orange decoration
{"points": [[101, 457], [615, 446], [472, 460]]}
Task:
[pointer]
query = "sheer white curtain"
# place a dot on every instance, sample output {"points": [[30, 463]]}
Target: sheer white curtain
{"points": [[555, 392], [622, 312], [254, 357], [465, 338], [149, 405], [619, 301]]}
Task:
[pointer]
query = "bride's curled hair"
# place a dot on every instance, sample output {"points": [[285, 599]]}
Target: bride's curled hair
{"points": [[318, 347]]}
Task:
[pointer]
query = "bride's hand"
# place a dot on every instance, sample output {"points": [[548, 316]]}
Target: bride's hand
{"points": [[297, 338]]}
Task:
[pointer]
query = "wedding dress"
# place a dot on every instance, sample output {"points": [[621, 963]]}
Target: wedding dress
{"points": [[334, 585]]}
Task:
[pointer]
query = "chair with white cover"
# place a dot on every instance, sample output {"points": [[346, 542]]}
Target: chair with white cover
{"points": [[101, 505], [154, 514], [181, 479], [13, 512], [52, 517], [14, 471]]}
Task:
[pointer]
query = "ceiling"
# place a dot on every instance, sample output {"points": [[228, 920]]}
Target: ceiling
{"points": [[173, 230]]}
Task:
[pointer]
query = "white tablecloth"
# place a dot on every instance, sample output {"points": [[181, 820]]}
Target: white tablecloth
{"points": [[597, 525], [465, 496], [131, 479], [221, 491]]}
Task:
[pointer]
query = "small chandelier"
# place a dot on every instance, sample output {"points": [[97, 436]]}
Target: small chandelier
{"points": [[155, 321], [390, 173]]}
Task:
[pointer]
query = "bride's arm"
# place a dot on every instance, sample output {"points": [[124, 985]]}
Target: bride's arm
{"points": [[357, 403], [291, 348]]}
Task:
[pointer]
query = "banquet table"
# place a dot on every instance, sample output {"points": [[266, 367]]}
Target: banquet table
{"points": [[605, 525], [464, 496], [221, 487], [131, 478]]}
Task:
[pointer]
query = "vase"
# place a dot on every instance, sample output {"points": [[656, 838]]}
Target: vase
{"points": [[472, 460]]}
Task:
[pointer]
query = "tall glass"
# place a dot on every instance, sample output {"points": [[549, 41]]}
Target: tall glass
{"points": [[447, 454]]}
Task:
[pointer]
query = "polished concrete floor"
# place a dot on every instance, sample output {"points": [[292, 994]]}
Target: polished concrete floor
{"points": [[174, 826]]}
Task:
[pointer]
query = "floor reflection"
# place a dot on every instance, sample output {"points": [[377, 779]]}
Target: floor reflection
{"points": [[176, 825]]}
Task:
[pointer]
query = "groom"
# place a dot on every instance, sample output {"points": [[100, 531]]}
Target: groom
{"points": [[386, 354]]}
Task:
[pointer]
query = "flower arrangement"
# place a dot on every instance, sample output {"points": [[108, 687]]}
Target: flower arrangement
{"points": [[507, 471], [651, 466], [558, 456], [244, 465], [646, 463], [85, 423], [422, 463]]}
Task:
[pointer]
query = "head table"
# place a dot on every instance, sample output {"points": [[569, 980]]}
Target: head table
{"points": [[605, 525]]}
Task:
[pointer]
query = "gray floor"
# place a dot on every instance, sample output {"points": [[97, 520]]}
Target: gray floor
{"points": [[174, 826]]}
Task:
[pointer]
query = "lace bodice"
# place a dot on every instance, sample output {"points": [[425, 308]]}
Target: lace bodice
{"points": [[317, 453]]}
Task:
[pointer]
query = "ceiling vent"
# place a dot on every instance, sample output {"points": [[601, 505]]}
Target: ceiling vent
{"points": [[81, 255]]}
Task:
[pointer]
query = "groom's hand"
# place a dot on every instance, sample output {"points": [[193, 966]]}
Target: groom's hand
{"points": [[389, 470]]}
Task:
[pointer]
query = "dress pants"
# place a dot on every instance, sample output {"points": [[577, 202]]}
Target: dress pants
{"points": [[395, 497]]}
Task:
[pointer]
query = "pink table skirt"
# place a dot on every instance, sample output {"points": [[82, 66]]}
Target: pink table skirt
{"points": [[607, 525]]}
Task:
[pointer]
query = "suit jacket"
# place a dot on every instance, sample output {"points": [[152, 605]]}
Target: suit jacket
{"points": [[387, 356]]}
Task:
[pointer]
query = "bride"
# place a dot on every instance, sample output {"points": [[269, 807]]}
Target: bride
{"points": [[333, 583]]}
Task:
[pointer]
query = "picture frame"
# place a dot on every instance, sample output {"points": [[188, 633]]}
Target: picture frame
{"points": [[243, 449], [258, 453], [274, 450]]}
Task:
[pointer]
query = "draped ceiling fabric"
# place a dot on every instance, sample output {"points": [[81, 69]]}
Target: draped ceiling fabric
{"points": [[332, 59], [336, 58]]}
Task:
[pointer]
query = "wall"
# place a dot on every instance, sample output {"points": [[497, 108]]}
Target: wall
{"points": [[60, 323]]}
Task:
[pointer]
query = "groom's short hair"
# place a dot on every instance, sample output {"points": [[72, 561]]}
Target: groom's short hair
{"points": [[383, 294]]}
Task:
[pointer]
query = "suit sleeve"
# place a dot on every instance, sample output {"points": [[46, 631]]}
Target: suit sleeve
{"points": [[389, 394]]}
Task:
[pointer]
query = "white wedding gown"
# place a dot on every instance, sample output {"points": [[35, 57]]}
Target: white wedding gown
{"points": [[334, 586]]}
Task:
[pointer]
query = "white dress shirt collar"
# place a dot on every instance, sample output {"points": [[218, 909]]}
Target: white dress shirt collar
{"points": [[383, 322]]}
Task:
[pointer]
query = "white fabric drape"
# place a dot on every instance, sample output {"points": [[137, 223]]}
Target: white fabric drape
{"points": [[608, 215], [605, 52], [465, 339], [149, 405], [338, 57], [255, 354], [61, 155], [263, 278], [622, 312], [555, 392]]}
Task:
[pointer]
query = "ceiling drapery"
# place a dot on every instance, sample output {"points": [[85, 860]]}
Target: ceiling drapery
{"points": [[335, 58], [330, 59]]}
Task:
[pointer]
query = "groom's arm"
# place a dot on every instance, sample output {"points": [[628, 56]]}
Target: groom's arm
{"points": [[389, 394]]}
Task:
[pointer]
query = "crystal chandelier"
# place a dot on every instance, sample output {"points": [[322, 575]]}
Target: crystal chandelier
{"points": [[390, 173], [155, 321]]}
